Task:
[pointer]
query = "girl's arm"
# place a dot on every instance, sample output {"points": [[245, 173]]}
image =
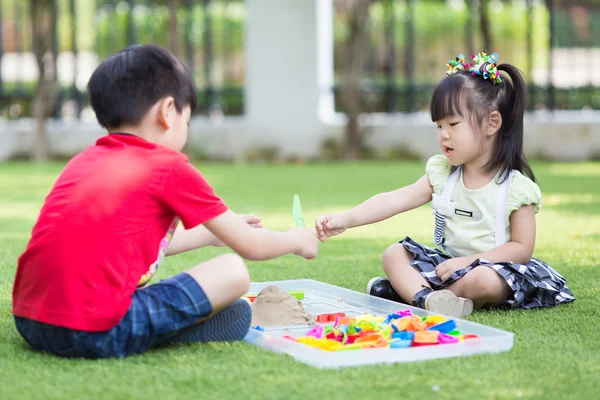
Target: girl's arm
{"points": [[385, 205], [522, 239], [519, 250], [378, 208]]}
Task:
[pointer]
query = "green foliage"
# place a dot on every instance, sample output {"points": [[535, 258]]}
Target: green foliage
{"points": [[440, 32]]}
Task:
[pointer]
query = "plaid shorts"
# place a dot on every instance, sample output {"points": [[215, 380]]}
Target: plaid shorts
{"points": [[535, 284], [157, 312]]}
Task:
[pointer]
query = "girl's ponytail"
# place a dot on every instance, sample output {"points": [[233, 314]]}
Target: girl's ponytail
{"points": [[511, 103]]}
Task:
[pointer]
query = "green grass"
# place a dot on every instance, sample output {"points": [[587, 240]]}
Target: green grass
{"points": [[556, 353]]}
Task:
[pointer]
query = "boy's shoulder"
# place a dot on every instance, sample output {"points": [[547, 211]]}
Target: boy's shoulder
{"points": [[116, 157], [131, 149]]}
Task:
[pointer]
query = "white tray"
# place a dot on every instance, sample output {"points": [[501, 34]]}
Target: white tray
{"points": [[323, 298]]}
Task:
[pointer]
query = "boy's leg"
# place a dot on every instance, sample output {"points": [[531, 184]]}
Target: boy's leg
{"points": [[160, 311], [230, 324], [223, 279], [483, 285], [405, 279]]}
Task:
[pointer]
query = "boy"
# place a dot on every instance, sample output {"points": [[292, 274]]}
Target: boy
{"points": [[81, 288]]}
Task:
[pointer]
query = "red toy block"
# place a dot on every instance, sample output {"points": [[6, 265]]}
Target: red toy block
{"points": [[329, 317]]}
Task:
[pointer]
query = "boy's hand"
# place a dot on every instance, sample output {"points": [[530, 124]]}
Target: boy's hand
{"points": [[262, 244], [251, 220], [308, 244], [330, 225]]}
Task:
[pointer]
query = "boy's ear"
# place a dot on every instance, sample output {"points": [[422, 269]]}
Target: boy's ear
{"points": [[165, 107], [494, 123]]}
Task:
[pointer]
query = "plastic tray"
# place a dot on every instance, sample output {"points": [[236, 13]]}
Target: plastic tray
{"points": [[325, 298]]}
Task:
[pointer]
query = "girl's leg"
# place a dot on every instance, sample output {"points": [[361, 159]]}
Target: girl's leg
{"points": [[410, 285], [483, 285], [405, 280]]}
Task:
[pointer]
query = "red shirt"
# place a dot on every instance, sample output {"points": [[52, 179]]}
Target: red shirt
{"points": [[104, 228]]}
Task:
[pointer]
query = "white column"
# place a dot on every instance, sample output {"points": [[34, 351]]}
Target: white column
{"points": [[289, 72]]}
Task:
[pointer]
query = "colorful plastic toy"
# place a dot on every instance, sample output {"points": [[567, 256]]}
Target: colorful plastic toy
{"points": [[399, 330], [444, 327], [426, 338]]}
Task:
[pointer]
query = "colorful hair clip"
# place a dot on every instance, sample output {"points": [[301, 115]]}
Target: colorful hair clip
{"points": [[456, 65], [484, 65]]}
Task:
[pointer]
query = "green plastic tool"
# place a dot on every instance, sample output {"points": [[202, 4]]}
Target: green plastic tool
{"points": [[294, 293], [297, 212]]}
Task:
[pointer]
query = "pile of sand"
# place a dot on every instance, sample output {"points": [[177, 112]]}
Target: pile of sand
{"points": [[274, 307]]}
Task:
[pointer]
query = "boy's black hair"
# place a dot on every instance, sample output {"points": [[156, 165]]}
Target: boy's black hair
{"points": [[480, 97], [127, 84]]}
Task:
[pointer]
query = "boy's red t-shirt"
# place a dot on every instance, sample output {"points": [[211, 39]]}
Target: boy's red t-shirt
{"points": [[104, 228]]}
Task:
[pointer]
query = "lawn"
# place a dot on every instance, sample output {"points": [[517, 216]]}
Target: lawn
{"points": [[556, 352]]}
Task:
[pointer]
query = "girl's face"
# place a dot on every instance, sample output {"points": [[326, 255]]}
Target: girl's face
{"points": [[458, 140]]}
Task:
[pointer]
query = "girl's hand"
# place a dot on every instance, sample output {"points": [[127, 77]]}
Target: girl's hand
{"points": [[448, 267], [330, 225], [251, 220]]}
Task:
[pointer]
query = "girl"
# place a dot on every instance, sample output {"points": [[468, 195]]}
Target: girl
{"points": [[485, 200]]}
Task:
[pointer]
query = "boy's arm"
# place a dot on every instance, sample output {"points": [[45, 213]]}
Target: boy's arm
{"points": [[189, 196], [198, 237], [262, 244], [190, 239]]}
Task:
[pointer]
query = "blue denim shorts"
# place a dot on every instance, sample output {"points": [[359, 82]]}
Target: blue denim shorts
{"points": [[157, 312]]}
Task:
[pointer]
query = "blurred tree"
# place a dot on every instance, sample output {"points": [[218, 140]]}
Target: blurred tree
{"points": [[172, 41], [484, 23], [356, 43], [43, 34]]}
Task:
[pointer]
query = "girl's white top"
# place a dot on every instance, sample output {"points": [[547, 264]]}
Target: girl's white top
{"points": [[471, 229]]}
